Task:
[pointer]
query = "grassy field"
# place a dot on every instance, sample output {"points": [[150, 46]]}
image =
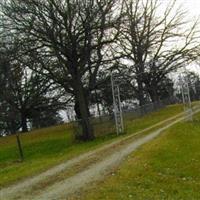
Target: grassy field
{"points": [[47, 147], [167, 168]]}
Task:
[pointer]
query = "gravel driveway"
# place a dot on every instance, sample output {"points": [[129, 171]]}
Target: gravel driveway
{"points": [[95, 171]]}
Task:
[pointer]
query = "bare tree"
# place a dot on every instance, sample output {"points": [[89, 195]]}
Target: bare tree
{"points": [[155, 41], [26, 93], [72, 36]]}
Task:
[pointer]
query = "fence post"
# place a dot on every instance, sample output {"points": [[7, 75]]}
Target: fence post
{"points": [[19, 147]]}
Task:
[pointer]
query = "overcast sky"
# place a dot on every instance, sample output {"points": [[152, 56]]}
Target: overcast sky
{"points": [[193, 6], [193, 9]]}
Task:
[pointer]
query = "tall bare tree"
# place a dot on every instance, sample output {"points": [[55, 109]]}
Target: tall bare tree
{"points": [[72, 35], [155, 41], [25, 93]]}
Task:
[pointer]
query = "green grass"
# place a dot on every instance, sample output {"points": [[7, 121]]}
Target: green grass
{"points": [[150, 119], [47, 147], [166, 168]]}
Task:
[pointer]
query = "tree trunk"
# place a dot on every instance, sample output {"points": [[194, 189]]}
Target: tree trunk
{"points": [[12, 127], [140, 77], [24, 123], [83, 110], [77, 110], [140, 93], [154, 94]]}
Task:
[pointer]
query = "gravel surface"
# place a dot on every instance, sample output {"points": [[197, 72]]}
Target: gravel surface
{"points": [[96, 171]]}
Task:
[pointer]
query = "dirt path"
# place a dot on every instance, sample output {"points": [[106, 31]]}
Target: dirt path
{"points": [[61, 189]]}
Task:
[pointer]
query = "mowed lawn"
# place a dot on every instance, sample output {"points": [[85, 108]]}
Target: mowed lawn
{"points": [[166, 168], [45, 148]]}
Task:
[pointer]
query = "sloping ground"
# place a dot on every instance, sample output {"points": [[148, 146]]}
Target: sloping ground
{"points": [[166, 168], [49, 147], [100, 163]]}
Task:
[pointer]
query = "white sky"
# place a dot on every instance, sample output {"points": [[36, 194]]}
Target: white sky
{"points": [[193, 9], [192, 6]]}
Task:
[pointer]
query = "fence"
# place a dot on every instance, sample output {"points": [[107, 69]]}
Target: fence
{"points": [[102, 125], [105, 125]]}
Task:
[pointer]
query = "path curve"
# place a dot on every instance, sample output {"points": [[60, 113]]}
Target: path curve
{"points": [[61, 189]]}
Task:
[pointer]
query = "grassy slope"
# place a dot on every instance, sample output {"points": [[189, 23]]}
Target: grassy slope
{"points": [[47, 147], [167, 168]]}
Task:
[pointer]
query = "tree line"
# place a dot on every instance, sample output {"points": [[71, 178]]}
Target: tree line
{"points": [[54, 52]]}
